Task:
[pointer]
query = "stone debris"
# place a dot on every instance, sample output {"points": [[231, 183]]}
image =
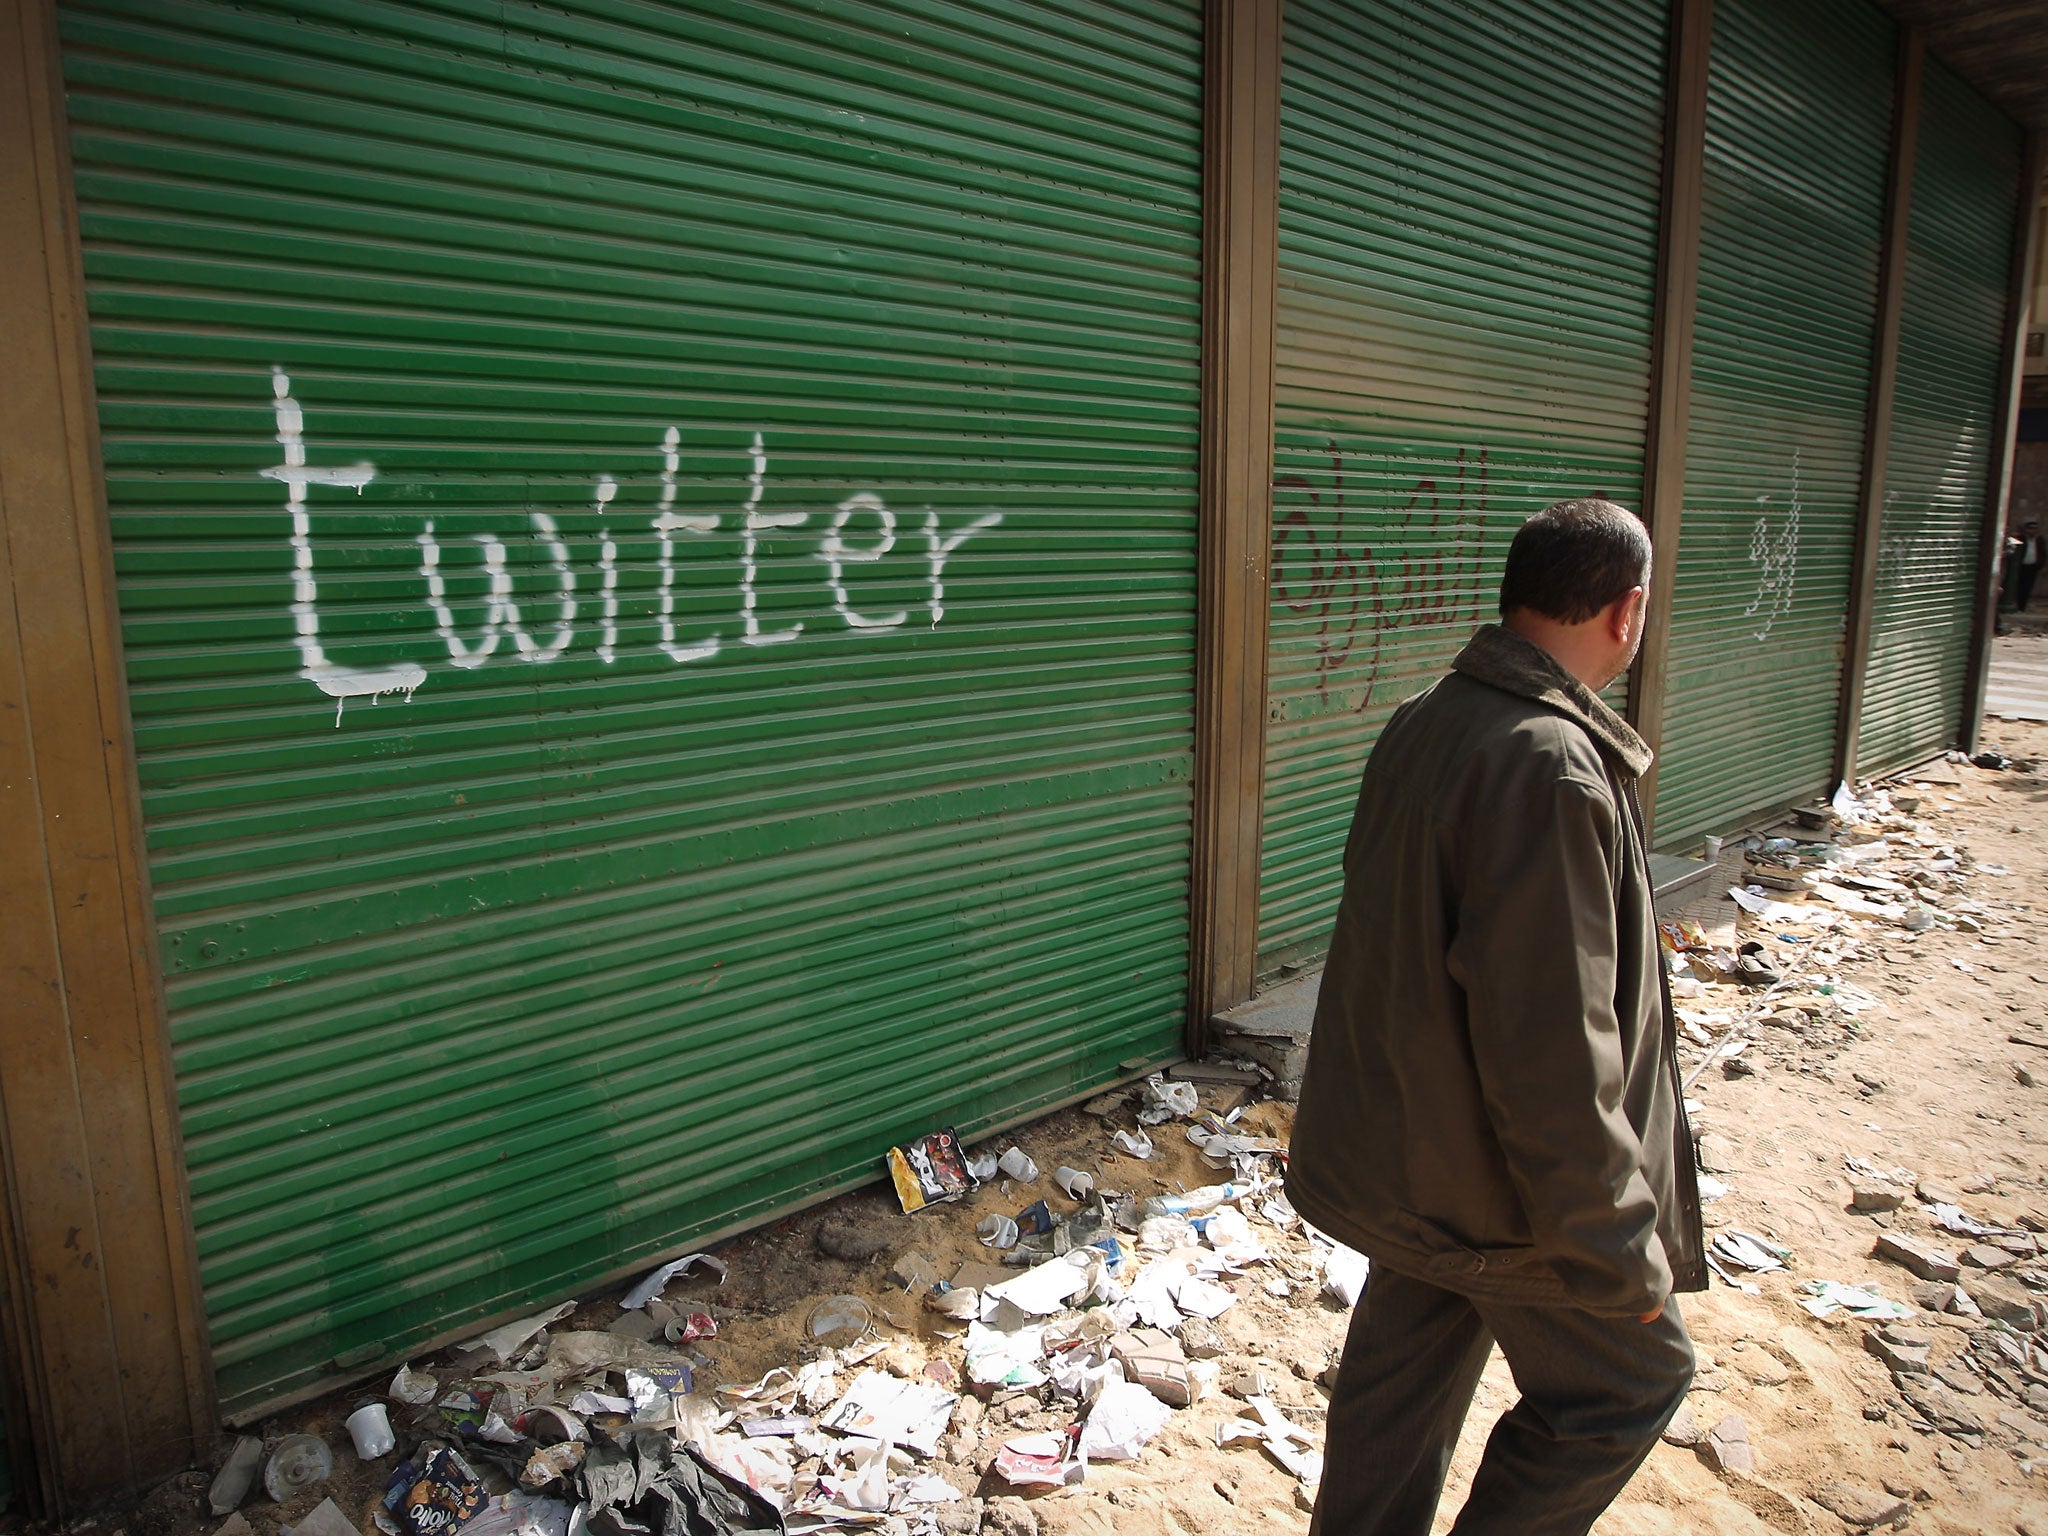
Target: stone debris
{"points": [[2003, 1302], [1726, 1446], [1868, 1196], [1862, 1507], [1958, 1379], [1902, 1350], [1716, 1153], [1988, 1256], [1934, 1295], [1008, 1517], [1923, 1259], [1684, 1428], [1936, 1404]]}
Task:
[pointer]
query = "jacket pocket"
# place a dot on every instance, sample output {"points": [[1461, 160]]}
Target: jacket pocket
{"points": [[1451, 1255]]}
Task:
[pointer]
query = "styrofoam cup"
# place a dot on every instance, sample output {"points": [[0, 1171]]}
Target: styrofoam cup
{"points": [[370, 1427]]}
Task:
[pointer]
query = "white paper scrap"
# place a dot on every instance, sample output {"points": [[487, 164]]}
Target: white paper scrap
{"points": [[1044, 1290], [651, 1287], [1344, 1274], [1199, 1298], [883, 1407], [504, 1342], [1124, 1417]]}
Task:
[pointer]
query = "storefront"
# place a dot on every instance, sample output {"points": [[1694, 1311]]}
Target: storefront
{"points": [[626, 603]]}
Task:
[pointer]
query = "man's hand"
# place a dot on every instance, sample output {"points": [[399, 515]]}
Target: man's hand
{"points": [[1651, 1317]]}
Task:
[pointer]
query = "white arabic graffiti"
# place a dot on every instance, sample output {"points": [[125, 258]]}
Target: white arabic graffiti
{"points": [[503, 617], [1778, 556]]}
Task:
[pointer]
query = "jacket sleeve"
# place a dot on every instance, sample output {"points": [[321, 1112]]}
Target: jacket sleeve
{"points": [[1535, 952]]}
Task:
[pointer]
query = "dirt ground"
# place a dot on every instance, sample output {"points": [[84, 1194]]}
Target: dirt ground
{"points": [[1917, 1076]]}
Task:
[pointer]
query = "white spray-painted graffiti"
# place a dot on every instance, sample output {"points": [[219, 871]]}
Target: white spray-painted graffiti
{"points": [[1778, 555], [338, 682], [503, 617]]}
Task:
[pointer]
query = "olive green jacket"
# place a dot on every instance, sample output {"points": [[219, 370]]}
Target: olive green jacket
{"points": [[1492, 1099]]}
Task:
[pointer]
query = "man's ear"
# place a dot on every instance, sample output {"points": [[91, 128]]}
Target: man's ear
{"points": [[1624, 613]]}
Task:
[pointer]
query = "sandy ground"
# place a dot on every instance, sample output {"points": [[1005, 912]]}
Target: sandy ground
{"points": [[1927, 1080]]}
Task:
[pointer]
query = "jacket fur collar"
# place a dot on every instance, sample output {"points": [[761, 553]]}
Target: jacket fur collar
{"points": [[1504, 660]]}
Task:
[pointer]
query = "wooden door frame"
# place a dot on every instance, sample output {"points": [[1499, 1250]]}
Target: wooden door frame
{"points": [[102, 1337], [1240, 286]]}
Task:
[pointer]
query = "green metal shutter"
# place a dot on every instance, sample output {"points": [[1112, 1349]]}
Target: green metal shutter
{"points": [[710, 321], [1958, 256], [1469, 204], [1799, 109]]}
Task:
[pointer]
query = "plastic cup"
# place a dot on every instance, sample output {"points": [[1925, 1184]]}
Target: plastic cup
{"points": [[370, 1427], [1713, 850]]}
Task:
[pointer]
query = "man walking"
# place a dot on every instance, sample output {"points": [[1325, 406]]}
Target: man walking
{"points": [[1492, 1109], [2027, 560]]}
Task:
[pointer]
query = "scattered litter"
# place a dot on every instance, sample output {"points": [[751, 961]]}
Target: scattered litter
{"points": [[689, 1328], [1138, 1146], [1285, 1442], [1344, 1274], [437, 1493], [929, 1170], [1827, 1297], [551, 1463], [566, 1424], [237, 1474], [1745, 1250], [1040, 1461], [503, 1343], [999, 1358], [325, 1519], [1953, 1219], [1199, 1298], [657, 1282], [1077, 1184], [839, 1320], [1017, 1166], [1124, 1417], [1162, 1101], [518, 1514], [647, 1483], [298, 1462], [413, 1388], [1046, 1289], [370, 1428], [997, 1231], [879, 1406]]}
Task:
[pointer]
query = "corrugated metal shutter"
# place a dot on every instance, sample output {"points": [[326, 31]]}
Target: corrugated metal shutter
{"points": [[1799, 106], [758, 444], [1959, 251], [1468, 261]]}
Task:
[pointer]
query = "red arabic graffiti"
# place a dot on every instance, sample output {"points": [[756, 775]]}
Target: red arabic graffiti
{"points": [[1358, 599]]}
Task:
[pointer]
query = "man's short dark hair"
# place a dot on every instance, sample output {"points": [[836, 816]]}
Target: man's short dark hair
{"points": [[1573, 558]]}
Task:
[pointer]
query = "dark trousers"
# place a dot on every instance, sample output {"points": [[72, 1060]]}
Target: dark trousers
{"points": [[2023, 592], [1596, 1392]]}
